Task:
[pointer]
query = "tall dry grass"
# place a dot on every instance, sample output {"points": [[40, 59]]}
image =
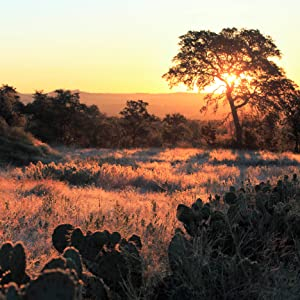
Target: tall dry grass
{"points": [[130, 191]]}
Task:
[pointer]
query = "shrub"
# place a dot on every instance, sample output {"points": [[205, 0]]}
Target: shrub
{"points": [[18, 147]]}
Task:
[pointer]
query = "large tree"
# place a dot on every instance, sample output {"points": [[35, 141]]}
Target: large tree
{"points": [[235, 62]]}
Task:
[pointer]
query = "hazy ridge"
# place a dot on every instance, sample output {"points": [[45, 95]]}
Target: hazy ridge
{"points": [[188, 104]]}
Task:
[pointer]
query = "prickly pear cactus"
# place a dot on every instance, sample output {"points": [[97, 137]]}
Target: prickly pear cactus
{"points": [[5, 252], [18, 264], [256, 228], [106, 255], [93, 288], [73, 254], [186, 215], [53, 285], [111, 266], [92, 244], [130, 250], [61, 237], [55, 263], [179, 251], [15, 265], [136, 240], [230, 197], [12, 292], [77, 239], [114, 239]]}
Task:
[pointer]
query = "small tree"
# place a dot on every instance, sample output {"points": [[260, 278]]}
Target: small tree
{"points": [[175, 129], [239, 60], [209, 133], [137, 122], [11, 108]]}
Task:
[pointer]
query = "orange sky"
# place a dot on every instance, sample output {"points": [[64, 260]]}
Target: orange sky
{"points": [[121, 46]]}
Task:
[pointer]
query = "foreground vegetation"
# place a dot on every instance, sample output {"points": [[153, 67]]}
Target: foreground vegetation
{"points": [[243, 245]]}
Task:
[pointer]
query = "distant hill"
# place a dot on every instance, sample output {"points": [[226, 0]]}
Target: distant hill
{"points": [[187, 104]]}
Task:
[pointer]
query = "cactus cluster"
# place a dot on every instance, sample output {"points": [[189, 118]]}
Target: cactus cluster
{"points": [[89, 266], [106, 255], [247, 239], [13, 264], [52, 283]]}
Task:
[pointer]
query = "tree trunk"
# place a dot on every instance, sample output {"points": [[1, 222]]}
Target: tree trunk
{"points": [[238, 128]]}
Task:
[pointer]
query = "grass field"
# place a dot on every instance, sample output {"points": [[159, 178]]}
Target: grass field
{"points": [[130, 191]]}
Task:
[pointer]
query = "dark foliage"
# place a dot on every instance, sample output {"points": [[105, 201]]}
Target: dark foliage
{"points": [[61, 119], [113, 264], [11, 108], [244, 246]]}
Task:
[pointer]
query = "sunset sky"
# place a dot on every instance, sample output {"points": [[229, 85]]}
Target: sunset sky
{"points": [[125, 46]]}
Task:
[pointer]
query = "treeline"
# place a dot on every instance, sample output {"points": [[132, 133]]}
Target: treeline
{"points": [[61, 119]]}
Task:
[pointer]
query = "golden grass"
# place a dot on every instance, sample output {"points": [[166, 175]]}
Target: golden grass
{"points": [[118, 199]]}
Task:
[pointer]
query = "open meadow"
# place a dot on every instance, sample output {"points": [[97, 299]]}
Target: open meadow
{"points": [[130, 191]]}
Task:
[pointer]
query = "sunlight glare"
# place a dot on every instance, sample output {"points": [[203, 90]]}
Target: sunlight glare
{"points": [[219, 86]]}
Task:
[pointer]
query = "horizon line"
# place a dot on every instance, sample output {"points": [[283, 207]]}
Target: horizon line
{"points": [[115, 93]]}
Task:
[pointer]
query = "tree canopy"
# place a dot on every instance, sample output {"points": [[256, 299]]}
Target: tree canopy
{"points": [[239, 60], [11, 108], [137, 122]]}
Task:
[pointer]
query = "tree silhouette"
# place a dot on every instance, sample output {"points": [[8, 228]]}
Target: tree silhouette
{"points": [[11, 108], [209, 133], [62, 119], [240, 60], [175, 129], [137, 122]]}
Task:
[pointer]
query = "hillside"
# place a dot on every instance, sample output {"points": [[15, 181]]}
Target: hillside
{"points": [[187, 104]]}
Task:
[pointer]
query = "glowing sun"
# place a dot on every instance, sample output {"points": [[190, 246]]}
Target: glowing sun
{"points": [[219, 86]]}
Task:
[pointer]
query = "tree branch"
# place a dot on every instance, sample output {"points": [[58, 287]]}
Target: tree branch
{"points": [[242, 104]]}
